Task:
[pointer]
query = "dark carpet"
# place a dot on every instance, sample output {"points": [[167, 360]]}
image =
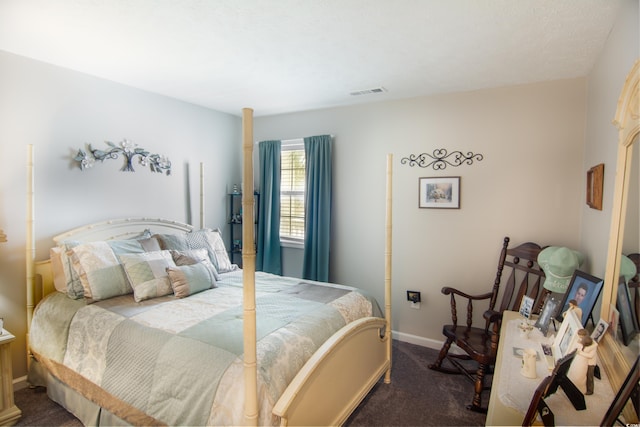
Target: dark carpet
{"points": [[417, 396]]}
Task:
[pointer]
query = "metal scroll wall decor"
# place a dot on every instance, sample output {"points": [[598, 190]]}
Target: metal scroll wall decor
{"points": [[441, 158], [129, 151]]}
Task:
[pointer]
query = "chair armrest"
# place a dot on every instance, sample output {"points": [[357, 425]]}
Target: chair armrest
{"points": [[447, 290], [470, 298], [492, 316]]}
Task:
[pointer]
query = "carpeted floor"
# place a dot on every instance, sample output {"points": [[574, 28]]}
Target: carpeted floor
{"points": [[417, 396]]}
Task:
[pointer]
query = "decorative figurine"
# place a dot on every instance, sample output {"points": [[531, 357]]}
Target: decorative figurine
{"points": [[573, 306], [583, 366]]}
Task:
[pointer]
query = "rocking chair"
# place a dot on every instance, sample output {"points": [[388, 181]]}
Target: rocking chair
{"points": [[525, 277]]}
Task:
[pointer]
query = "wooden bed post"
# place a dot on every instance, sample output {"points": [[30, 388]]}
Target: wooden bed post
{"points": [[202, 222], [30, 244], [248, 273], [388, 252]]}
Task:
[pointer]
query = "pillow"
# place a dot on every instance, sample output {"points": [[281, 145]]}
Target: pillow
{"points": [[192, 256], [59, 279], [147, 273], [99, 268], [214, 238], [66, 281], [211, 240], [190, 279]]}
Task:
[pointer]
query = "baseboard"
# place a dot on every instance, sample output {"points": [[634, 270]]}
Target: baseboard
{"points": [[20, 383], [424, 342]]}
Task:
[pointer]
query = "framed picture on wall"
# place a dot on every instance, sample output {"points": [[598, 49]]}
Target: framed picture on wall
{"points": [[439, 193], [585, 290]]}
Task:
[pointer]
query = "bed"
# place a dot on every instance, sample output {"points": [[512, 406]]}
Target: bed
{"points": [[158, 328]]}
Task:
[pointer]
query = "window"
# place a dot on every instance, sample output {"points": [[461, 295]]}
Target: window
{"points": [[292, 187]]}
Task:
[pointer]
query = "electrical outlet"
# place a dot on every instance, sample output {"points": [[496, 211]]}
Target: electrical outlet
{"points": [[413, 296]]}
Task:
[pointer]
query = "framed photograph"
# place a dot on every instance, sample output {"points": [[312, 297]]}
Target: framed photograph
{"points": [[627, 319], [585, 290], [599, 330], [439, 193], [526, 306], [550, 307], [565, 341]]}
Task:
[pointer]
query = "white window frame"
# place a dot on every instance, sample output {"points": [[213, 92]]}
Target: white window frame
{"points": [[290, 145]]}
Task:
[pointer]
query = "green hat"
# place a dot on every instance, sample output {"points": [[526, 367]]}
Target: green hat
{"points": [[558, 264], [627, 268]]}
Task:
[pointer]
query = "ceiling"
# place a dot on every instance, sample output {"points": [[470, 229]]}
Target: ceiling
{"points": [[280, 56]]}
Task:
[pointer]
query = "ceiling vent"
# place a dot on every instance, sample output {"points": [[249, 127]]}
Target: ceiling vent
{"points": [[368, 91]]}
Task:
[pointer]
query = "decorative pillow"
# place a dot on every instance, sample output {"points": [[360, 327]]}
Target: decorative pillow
{"points": [[223, 263], [59, 279], [192, 256], [190, 279], [147, 273], [99, 268], [211, 240], [72, 282]]}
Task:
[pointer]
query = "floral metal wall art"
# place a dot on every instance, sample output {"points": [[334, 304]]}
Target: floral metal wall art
{"points": [[441, 158], [129, 151]]}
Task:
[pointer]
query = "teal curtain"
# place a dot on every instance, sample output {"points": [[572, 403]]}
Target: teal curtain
{"points": [[317, 208], [268, 252]]}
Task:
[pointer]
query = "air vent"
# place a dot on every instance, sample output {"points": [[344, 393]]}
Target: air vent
{"points": [[368, 91]]}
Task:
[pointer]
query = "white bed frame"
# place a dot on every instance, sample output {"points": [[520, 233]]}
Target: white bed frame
{"points": [[340, 374]]}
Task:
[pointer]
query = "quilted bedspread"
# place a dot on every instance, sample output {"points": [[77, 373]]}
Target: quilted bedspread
{"points": [[180, 361]]}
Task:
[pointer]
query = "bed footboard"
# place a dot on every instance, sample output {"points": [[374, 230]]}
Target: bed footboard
{"points": [[337, 377]]}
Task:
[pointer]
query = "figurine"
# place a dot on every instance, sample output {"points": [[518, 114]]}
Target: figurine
{"points": [[583, 366], [573, 306]]}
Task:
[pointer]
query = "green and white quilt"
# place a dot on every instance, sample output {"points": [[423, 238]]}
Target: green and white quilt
{"points": [[180, 361]]}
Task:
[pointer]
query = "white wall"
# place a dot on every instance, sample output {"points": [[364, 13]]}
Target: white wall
{"points": [[58, 111], [529, 186]]}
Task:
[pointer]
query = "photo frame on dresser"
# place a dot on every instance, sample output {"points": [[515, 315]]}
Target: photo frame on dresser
{"points": [[550, 307], [565, 341], [585, 290]]}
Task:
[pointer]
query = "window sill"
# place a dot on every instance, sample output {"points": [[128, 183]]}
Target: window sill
{"points": [[290, 244]]}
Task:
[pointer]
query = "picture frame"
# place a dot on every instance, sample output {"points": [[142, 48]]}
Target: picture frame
{"points": [[565, 341], [550, 307], [627, 320], [439, 192], [526, 306], [599, 330], [595, 179], [585, 289]]}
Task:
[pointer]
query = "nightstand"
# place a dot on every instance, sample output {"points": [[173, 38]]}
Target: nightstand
{"points": [[9, 412]]}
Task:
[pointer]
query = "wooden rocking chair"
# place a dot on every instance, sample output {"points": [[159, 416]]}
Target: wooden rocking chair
{"points": [[525, 277]]}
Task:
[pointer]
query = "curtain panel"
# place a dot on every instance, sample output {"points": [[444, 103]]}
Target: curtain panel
{"points": [[268, 251], [317, 208]]}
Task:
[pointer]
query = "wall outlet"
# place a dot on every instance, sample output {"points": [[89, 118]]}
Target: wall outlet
{"points": [[413, 296]]}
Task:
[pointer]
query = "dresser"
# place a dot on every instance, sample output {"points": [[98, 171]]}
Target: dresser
{"points": [[511, 392]]}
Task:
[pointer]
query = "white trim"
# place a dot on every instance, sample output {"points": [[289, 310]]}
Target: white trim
{"points": [[290, 243], [424, 342]]}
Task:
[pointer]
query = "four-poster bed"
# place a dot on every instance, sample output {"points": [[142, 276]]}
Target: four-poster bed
{"points": [[333, 374]]}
